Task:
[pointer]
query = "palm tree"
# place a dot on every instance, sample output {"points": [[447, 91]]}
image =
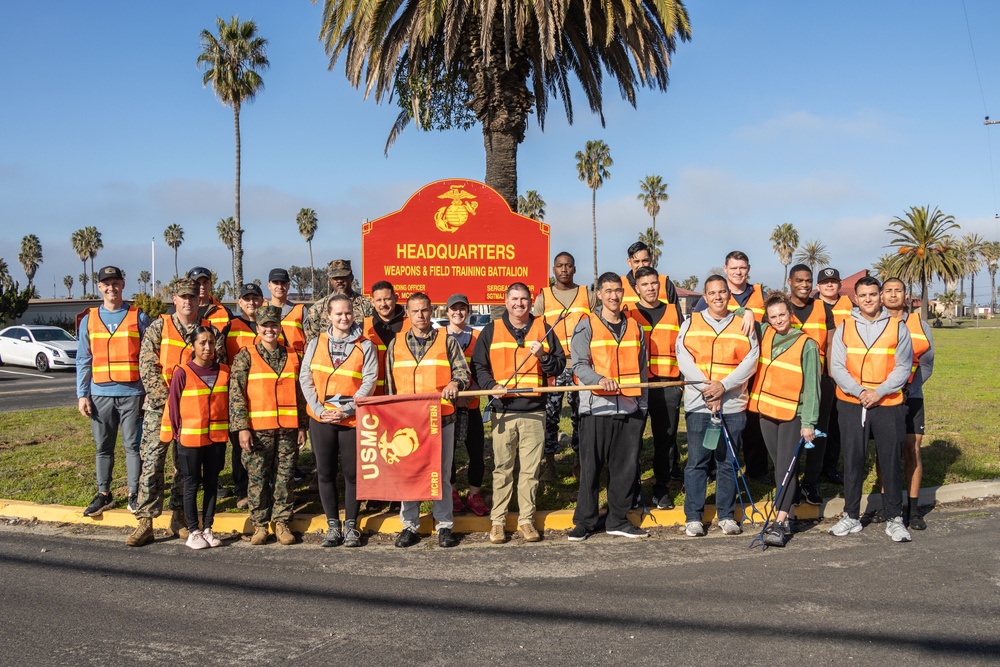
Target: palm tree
{"points": [[924, 247], [174, 236], [651, 237], [83, 281], [689, 283], [233, 62], [226, 228], [30, 256], [813, 253], [94, 244], [144, 279], [68, 284], [509, 58], [785, 240], [654, 190], [971, 249], [592, 168], [886, 267], [307, 222], [79, 241], [531, 205], [991, 255], [5, 280], [949, 302]]}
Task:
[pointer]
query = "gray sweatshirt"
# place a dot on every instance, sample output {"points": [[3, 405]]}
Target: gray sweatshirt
{"points": [[583, 367], [925, 365], [735, 398], [869, 332], [340, 349]]}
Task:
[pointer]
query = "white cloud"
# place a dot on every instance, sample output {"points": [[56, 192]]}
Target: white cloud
{"points": [[865, 123]]}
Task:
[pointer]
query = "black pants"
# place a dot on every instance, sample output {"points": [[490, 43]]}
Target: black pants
{"points": [[831, 458], [815, 458], [664, 416], [782, 439], [613, 440], [474, 439], [240, 478], [754, 450], [327, 440], [887, 425], [201, 467]]}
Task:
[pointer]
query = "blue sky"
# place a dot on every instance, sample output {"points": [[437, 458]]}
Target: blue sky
{"points": [[835, 117]]}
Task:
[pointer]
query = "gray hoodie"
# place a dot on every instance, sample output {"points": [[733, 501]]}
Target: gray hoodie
{"points": [[869, 332], [735, 398], [583, 368], [340, 349]]}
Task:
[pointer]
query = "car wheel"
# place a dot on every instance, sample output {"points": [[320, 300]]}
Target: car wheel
{"points": [[42, 362]]}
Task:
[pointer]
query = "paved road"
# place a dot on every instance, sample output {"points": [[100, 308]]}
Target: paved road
{"points": [[79, 597], [23, 388]]}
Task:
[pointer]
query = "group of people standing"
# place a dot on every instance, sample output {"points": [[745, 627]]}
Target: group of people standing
{"points": [[768, 372]]}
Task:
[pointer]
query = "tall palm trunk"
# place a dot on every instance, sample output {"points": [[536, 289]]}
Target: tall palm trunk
{"points": [[656, 258], [593, 219], [176, 272], [924, 310], [312, 269], [993, 292], [501, 164], [972, 294], [86, 282], [238, 238], [961, 291]]}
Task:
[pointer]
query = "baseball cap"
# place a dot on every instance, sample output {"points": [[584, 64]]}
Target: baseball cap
{"points": [[278, 276], [199, 272], [457, 298], [250, 289], [339, 268], [109, 273], [267, 315], [185, 287], [829, 274]]}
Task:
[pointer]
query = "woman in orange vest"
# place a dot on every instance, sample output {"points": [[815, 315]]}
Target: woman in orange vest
{"points": [[338, 366], [198, 415], [785, 394]]}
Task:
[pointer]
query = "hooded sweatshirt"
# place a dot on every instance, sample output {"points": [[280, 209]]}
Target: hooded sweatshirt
{"points": [[583, 368], [340, 349], [869, 332], [736, 396]]}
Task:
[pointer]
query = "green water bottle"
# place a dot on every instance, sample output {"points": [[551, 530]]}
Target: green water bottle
{"points": [[713, 433]]}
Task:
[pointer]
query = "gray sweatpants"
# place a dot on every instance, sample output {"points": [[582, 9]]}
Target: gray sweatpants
{"points": [[443, 510], [110, 414]]}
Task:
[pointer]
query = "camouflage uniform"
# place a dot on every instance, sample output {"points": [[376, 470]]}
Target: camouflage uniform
{"points": [[270, 463], [553, 412], [152, 451], [318, 319]]}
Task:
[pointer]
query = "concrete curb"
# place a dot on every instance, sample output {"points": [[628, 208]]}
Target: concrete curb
{"points": [[226, 522]]}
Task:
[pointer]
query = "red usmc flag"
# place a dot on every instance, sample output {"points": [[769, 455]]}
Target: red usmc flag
{"points": [[399, 447]]}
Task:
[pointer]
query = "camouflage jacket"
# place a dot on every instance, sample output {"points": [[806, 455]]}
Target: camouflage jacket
{"points": [[318, 318], [150, 369], [239, 372]]}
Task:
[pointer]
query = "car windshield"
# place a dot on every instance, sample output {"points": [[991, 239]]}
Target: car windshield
{"points": [[52, 336]]}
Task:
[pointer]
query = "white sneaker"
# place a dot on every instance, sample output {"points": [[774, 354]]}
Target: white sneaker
{"points": [[896, 530], [210, 538], [846, 526], [694, 529], [195, 540], [730, 527]]}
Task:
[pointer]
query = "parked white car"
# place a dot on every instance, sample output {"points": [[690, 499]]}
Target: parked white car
{"points": [[43, 347]]}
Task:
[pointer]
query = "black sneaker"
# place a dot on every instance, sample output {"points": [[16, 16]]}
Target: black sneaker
{"points": [[299, 474], [834, 477], [334, 538], [628, 530], [224, 492], [578, 534], [774, 536], [664, 502], [133, 503], [446, 539], [917, 522], [101, 502], [352, 536], [637, 501], [810, 494], [407, 538]]}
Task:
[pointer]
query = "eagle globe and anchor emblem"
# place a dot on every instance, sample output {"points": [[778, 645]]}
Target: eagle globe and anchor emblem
{"points": [[404, 442], [449, 218]]}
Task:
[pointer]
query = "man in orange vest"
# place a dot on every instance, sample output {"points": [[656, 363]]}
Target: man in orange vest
{"points": [[609, 349], [894, 298], [108, 387], [712, 348], [515, 352], [815, 319], [638, 256], [292, 314], [660, 321], [428, 357], [828, 288], [870, 360], [208, 307], [563, 297]]}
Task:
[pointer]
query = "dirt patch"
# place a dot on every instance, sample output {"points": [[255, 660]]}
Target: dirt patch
{"points": [[57, 465]]}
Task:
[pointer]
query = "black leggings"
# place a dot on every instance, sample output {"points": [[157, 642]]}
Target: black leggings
{"points": [[201, 466], [781, 439], [327, 440], [475, 440]]}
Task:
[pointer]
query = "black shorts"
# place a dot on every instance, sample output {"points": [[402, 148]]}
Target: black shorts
{"points": [[915, 416]]}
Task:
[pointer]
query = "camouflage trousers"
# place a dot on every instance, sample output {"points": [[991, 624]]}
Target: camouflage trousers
{"points": [[553, 412], [154, 458], [270, 465]]}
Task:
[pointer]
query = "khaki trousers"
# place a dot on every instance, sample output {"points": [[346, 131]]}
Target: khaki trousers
{"points": [[516, 434]]}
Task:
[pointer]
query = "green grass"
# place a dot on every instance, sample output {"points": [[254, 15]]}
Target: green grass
{"points": [[47, 456]]}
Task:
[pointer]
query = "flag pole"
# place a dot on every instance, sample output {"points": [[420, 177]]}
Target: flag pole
{"points": [[585, 387]]}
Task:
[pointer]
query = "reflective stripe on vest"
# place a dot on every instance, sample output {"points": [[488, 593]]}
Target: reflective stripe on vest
{"points": [[919, 340], [630, 296], [716, 354], [815, 328], [471, 403], [239, 336], [553, 308], [115, 355], [431, 374], [173, 347], [661, 342], [614, 359], [506, 356], [777, 385], [204, 410], [343, 380], [755, 303], [871, 366], [292, 331], [219, 317], [271, 396], [380, 348], [842, 310]]}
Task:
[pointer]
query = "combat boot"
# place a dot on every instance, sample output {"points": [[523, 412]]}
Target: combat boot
{"points": [[142, 535], [259, 536], [548, 473], [178, 524], [283, 534]]}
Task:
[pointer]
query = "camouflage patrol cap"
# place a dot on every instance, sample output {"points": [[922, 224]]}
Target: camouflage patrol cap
{"points": [[185, 287], [268, 315], [339, 268]]}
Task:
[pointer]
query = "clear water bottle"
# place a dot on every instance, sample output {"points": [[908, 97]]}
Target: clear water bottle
{"points": [[713, 433]]}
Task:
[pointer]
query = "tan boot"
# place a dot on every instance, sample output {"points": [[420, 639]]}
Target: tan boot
{"points": [[259, 536], [548, 473], [142, 535], [178, 524], [283, 534], [497, 534], [528, 532]]}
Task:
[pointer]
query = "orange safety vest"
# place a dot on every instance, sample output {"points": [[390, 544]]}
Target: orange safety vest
{"points": [[617, 360], [506, 356], [815, 328], [204, 411], [778, 383], [292, 331], [172, 347], [631, 296], [431, 374], [553, 308], [842, 309], [755, 303], [380, 348], [471, 403], [116, 355], [219, 317], [716, 354], [919, 340], [239, 336], [661, 341], [271, 400], [871, 366], [342, 380]]}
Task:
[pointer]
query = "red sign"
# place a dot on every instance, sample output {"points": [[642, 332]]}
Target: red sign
{"points": [[454, 236], [399, 447]]}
